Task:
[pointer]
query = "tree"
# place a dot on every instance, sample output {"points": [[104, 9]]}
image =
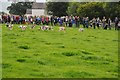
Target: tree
{"points": [[19, 8], [91, 9], [72, 8], [112, 9], [57, 8], [94, 9]]}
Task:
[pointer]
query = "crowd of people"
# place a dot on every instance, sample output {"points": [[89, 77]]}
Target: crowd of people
{"points": [[66, 21]]}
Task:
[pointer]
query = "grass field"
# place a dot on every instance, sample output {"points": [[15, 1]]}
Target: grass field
{"points": [[54, 54]]}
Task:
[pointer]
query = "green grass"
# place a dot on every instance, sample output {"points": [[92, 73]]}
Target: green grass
{"points": [[54, 54]]}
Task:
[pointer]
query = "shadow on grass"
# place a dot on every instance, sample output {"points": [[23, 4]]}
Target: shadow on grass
{"points": [[73, 74], [6, 65], [97, 58], [24, 47], [41, 62], [21, 60], [70, 53], [85, 52]]}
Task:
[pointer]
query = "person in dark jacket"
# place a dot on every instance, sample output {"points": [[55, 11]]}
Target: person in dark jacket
{"points": [[109, 23], [52, 20], [86, 22], [77, 20], [116, 23], [70, 21], [98, 22], [94, 23]]}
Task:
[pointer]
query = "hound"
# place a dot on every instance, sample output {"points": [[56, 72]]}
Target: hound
{"points": [[7, 24], [49, 27], [62, 28], [33, 26], [81, 29], [20, 26], [46, 28], [10, 26], [23, 27]]}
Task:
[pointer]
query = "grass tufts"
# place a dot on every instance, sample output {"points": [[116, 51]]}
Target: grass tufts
{"points": [[41, 62], [74, 74], [21, 60], [69, 53], [85, 52], [24, 47], [5, 65]]}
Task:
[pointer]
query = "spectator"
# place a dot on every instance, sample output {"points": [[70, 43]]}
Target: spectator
{"points": [[77, 20], [94, 22], [116, 23], [86, 22], [98, 22], [109, 23], [70, 21], [104, 22]]}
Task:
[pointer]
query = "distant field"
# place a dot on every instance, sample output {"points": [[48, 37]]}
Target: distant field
{"points": [[54, 54]]}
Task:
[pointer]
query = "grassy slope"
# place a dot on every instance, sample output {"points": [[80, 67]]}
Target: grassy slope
{"points": [[33, 53]]}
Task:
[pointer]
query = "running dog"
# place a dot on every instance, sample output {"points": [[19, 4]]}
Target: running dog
{"points": [[81, 29], [10, 26], [62, 28], [23, 27], [46, 28]]}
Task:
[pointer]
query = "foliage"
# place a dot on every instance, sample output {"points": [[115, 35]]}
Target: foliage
{"points": [[113, 9], [91, 10], [57, 8], [19, 8], [94, 9], [72, 8]]}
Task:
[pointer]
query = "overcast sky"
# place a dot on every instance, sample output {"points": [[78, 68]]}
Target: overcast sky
{"points": [[4, 4]]}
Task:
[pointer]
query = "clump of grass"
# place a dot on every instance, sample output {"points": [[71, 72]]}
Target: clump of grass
{"points": [[56, 43], [42, 41], [91, 36], [37, 75], [61, 46], [41, 62], [69, 53], [73, 38], [115, 74], [93, 58], [75, 34], [99, 63], [14, 42], [54, 53], [48, 43], [36, 54], [26, 57], [105, 63], [87, 40], [74, 74], [95, 37], [115, 40], [24, 47], [33, 38], [21, 60], [5, 65], [109, 60], [85, 52], [12, 38]]}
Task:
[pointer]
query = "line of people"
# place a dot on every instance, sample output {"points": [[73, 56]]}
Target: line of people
{"points": [[67, 21]]}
